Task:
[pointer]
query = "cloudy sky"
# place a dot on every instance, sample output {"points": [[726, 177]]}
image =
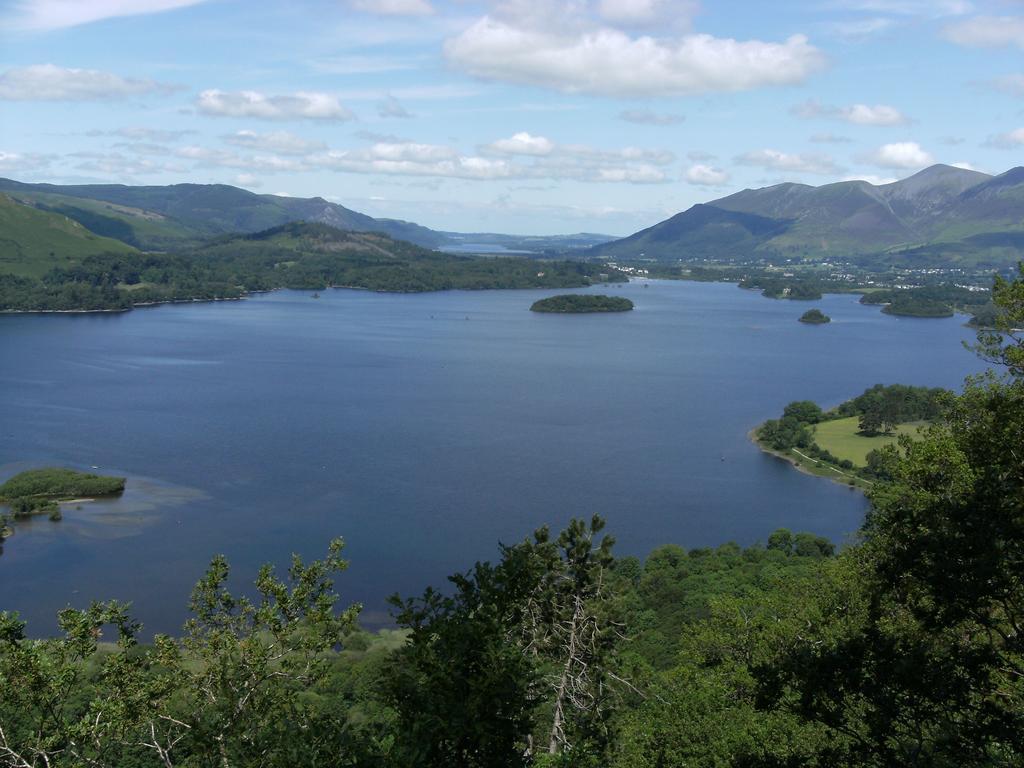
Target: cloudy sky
{"points": [[525, 116]]}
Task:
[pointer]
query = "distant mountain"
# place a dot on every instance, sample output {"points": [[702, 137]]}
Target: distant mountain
{"points": [[32, 242], [939, 215], [168, 217]]}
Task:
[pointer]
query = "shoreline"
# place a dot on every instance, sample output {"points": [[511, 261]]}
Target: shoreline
{"points": [[126, 309], [834, 475]]}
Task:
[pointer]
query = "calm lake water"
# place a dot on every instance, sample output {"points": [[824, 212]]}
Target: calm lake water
{"points": [[422, 428]]}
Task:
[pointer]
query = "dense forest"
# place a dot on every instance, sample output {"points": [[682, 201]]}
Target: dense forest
{"points": [[904, 648], [297, 255]]}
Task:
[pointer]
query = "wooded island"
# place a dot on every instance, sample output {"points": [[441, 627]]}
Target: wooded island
{"points": [[575, 303]]}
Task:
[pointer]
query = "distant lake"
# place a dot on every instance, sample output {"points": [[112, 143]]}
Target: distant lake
{"points": [[492, 248], [424, 429]]}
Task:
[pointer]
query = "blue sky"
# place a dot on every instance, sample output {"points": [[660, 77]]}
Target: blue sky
{"points": [[519, 116]]}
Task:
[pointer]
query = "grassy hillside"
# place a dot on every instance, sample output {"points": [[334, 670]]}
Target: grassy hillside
{"points": [[32, 242], [137, 227]]}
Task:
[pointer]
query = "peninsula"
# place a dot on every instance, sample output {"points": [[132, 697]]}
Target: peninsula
{"points": [[575, 303], [854, 443]]}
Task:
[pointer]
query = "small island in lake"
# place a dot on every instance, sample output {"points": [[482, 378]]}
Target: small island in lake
{"points": [[580, 303], [38, 491], [815, 317]]}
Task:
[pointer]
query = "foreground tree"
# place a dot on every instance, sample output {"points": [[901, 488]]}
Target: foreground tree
{"points": [[240, 688], [516, 663]]}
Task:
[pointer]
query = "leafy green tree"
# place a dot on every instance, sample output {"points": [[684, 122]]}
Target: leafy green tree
{"points": [[465, 693], [781, 540], [238, 689], [1003, 344], [809, 545], [51, 712], [804, 411], [872, 420], [517, 662]]}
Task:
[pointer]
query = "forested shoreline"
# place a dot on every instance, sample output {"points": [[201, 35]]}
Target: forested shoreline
{"points": [[297, 256]]}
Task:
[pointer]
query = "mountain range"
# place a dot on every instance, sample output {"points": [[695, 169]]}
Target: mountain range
{"points": [[942, 215], [185, 215]]}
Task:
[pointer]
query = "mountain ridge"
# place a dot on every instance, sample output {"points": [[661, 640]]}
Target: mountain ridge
{"points": [[954, 214]]}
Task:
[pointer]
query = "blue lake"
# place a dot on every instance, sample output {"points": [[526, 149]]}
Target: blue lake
{"points": [[424, 429]]}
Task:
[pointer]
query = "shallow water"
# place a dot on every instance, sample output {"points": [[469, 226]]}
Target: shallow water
{"points": [[424, 429]]}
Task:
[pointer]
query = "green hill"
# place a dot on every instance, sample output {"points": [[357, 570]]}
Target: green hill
{"points": [[32, 241], [184, 215]]}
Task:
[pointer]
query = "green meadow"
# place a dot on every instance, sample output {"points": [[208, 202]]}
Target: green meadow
{"points": [[842, 438]]}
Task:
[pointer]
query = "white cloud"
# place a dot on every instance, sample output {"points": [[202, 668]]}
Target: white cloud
{"points": [[858, 114], [13, 161], [392, 107], [706, 176], [48, 82], [301, 105], [58, 14], [522, 156], [987, 32], [1008, 140], [114, 164], [522, 144], [903, 154], [412, 159], [609, 62], [413, 152], [281, 142], [774, 160], [879, 114], [269, 163], [393, 7], [647, 117], [143, 134], [964, 164]]}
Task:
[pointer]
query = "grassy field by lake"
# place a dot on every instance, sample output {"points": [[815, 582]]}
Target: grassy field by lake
{"points": [[843, 440]]}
